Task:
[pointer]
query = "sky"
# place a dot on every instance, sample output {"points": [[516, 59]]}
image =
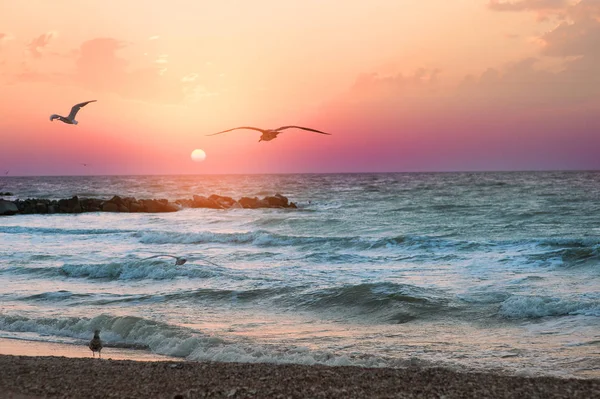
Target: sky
{"points": [[402, 85]]}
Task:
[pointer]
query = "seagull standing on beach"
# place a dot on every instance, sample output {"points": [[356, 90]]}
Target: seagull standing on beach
{"points": [[270, 134], [70, 120], [96, 344]]}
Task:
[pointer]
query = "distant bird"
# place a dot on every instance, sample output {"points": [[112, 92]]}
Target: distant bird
{"points": [[85, 164], [71, 118], [270, 134], [96, 344], [6, 173], [178, 260]]}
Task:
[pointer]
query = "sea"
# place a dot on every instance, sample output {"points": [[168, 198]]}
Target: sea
{"points": [[495, 272]]}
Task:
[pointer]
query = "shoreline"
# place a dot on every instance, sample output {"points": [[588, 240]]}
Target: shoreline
{"points": [[49, 376], [36, 369], [33, 348]]}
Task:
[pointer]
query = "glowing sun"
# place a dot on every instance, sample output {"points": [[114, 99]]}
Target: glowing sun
{"points": [[198, 155]]}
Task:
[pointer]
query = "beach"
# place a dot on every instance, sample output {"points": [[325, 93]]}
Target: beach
{"points": [[37, 377], [35, 369]]}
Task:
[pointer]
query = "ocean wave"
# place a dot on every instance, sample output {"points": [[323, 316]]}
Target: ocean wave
{"points": [[532, 307], [166, 339], [568, 252], [125, 270], [55, 231], [263, 238], [379, 302]]}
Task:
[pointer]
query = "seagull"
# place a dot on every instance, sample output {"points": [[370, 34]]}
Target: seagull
{"points": [[178, 260], [71, 118], [270, 134], [6, 173], [85, 164], [96, 344]]}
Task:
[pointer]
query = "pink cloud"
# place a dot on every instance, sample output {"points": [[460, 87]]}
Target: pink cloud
{"points": [[37, 45]]}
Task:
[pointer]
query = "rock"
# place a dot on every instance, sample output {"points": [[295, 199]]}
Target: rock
{"points": [[74, 205], [8, 208], [135, 207], [203, 202], [277, 201], [41, 207], [91, 205], [224, 202], [247, 202], [6, 193], [110, 207], [123, 208], [117, 200]]}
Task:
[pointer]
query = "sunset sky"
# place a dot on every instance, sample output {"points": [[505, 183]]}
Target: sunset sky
{"points": [[403, 85]]}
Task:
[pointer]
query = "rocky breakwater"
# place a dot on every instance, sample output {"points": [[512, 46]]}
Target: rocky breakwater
{"points": [[130, 204]]}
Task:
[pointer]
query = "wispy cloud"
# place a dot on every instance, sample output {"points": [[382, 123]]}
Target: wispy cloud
{"points": [[190, 78], [162, 59], [155, 37], [524, 5], [37, 45]]}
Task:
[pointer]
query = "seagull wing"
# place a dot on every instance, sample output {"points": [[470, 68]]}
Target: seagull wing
{"points": [[156, 256], [300, 127], [241, 127], [76, 108]]}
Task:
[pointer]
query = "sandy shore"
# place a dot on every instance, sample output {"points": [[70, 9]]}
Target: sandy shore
{"points": [[35, 377]]}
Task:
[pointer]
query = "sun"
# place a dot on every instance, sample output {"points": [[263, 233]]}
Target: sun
{"points": [[198, 155]]}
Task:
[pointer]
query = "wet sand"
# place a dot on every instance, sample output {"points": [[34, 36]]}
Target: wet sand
{"points": [[37, 377]]}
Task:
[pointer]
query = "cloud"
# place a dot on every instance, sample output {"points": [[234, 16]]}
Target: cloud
{"points": [[100, 68], [578, 35], [155, 37], [37, 45], [190, 78], [527, 5], [374, 85]]}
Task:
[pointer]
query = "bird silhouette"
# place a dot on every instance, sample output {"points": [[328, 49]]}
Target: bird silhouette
{"points": [[270, 134], [70, 120]]}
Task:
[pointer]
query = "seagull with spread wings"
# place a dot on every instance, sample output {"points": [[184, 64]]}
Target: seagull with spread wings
{"points": [[70, 120], [270, 134], [179, 260]]}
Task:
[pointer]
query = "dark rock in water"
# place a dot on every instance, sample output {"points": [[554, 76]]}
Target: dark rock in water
{"points": [[8, 208], [110, 207], [130, 204], [203, 202], [224, 202], [247, 202], [41, 207], [91, 205], [277, 201], [71, 205], [135, 207], [158, 206], [6, 194]]}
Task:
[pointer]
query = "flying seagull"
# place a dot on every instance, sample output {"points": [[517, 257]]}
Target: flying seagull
{"points": [[270, 134], [96, 344], [85, 164], [179, 260], [71, 118], [6, 173]]}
